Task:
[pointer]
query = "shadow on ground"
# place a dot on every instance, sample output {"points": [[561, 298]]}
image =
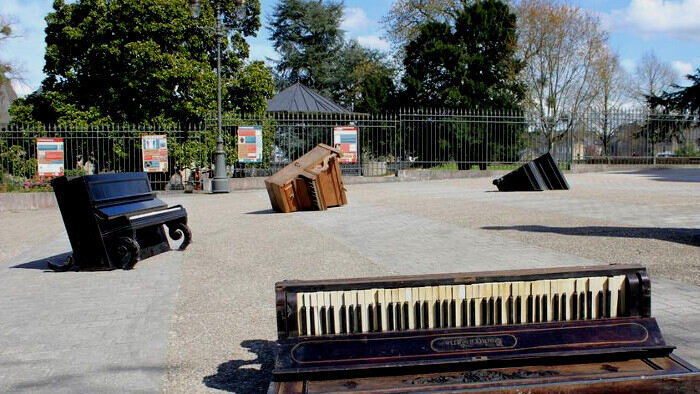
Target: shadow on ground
{"points": [[244, 376], [669, 174], [687, 236], [42, 264], [261, 212]]}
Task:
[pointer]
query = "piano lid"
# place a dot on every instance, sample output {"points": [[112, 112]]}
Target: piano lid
{"points": [[132, 208]]}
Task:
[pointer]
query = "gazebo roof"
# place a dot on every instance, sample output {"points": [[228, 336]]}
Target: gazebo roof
{"points": [[299, 98]]}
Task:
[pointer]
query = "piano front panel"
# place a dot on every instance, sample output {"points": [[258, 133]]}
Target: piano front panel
{"points": [[447, 306]]}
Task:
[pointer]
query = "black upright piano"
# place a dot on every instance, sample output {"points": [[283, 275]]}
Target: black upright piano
{"points": [[114, 220]]}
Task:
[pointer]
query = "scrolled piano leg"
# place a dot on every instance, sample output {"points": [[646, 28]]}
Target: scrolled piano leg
{"points": [[178, 230], [63, 267], [127, 252]]}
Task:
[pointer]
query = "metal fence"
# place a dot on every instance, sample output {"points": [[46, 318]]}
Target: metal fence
{"points": [[386, 143]]}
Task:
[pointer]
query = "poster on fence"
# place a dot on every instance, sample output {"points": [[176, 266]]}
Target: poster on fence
{"points": [[250, 144], [155, 153], [345, 139], [49, 153]]}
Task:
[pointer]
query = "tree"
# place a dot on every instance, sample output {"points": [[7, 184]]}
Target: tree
{"points": [[5, 33], [308, 38], [610, 83], [365, 80], [652, 77], [560, 45], [471, 65], [143, 61], [406, 17], [685, 100]]}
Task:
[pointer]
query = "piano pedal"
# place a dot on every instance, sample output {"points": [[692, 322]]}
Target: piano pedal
{"points": [[67, 265]]}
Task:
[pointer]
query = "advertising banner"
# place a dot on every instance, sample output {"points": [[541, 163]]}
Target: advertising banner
{"points": [[250, 144], [50, 156], [345, 139], [155, 153]]}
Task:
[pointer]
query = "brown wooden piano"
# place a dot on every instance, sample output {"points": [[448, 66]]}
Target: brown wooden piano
{"points": [[312, 182], [573, 329]]}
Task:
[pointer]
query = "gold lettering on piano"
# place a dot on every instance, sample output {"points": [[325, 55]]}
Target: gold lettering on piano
{"points": [[459, 343]]}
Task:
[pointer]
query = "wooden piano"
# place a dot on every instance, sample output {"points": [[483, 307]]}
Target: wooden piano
{"points": [[573, 329], [312, 182]]}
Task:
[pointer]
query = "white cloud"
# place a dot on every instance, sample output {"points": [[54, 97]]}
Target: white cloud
{"points": [[374, 42], [682, 68], [355, 19], [676, 18]]}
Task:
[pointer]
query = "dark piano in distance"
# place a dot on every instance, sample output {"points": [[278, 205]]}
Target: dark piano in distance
{"points": [[571, 329], [114, 220]]}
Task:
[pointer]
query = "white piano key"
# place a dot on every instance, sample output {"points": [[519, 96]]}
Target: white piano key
{"points": [[336, 303], [412, 301], [595, 286], [617, 289], [582, 292], [458, 294]]}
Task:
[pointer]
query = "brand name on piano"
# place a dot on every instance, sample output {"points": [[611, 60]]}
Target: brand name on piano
{"points": [[457, 343]]}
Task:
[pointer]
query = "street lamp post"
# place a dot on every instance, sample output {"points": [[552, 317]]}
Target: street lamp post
{"points": [[220, 182]]}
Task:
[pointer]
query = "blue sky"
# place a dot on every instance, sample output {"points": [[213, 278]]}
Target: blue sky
{"points": [[670, 28]]}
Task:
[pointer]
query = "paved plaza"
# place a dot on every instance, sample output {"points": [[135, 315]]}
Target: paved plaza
{"points": [[203, 320]]}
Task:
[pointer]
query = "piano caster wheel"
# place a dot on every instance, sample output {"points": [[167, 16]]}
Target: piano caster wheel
{"points": [[177, 231], [63, 267], [127, 253]]}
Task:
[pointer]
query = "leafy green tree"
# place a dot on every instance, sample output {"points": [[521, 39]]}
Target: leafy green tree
{"points": [[685, 100], [365, 80], [144, 61], [308, 38], [472, 65]]}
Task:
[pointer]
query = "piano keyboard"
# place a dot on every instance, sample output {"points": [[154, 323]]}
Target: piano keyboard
{"points": [[313, 191], [436, 307], [154, 213]]}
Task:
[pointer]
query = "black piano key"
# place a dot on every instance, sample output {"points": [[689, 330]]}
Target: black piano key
{"points": [[331, 320], [608, 304], [582, 306], [303, 329], [484, 312], [600, 303], [405, 316], [312, 322], [530, 309], [589, 305], [370, 318], [498, 311], [445, 314], [518, 309], [538, 305], [352, 321], [574, 308], [390, 317], [424, 315], [472, 313], [563, 307], [510, 312], [397, 317], [322, 321], [465, 314], [416, 315], [358, 319], [490, 312], [555, 308], [453, 314], [436, 313], [545, 304], [343, 320]]}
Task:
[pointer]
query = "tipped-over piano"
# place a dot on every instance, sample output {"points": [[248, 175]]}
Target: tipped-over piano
{"points": [[312, 182], [582, 329]]}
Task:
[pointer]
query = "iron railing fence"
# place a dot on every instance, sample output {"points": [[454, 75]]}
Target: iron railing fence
{"points": [[386, 143], [97, 149]]}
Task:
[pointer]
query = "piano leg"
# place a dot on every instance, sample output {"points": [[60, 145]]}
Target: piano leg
{"points": [[177, 230], [127, 252]]}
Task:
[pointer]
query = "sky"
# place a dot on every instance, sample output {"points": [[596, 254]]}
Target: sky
{"points": [[669, 28]]}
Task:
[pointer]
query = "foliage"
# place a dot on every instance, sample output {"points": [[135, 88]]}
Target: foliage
{"points": [[472, 65], [142, 61], [685, 100], [5, 33], [687, 150], [559, 44], [16, 160], [406, 17], [308, 38]]}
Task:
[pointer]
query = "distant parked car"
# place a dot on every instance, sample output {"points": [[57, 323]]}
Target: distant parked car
{"points": [[665, 154]]}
